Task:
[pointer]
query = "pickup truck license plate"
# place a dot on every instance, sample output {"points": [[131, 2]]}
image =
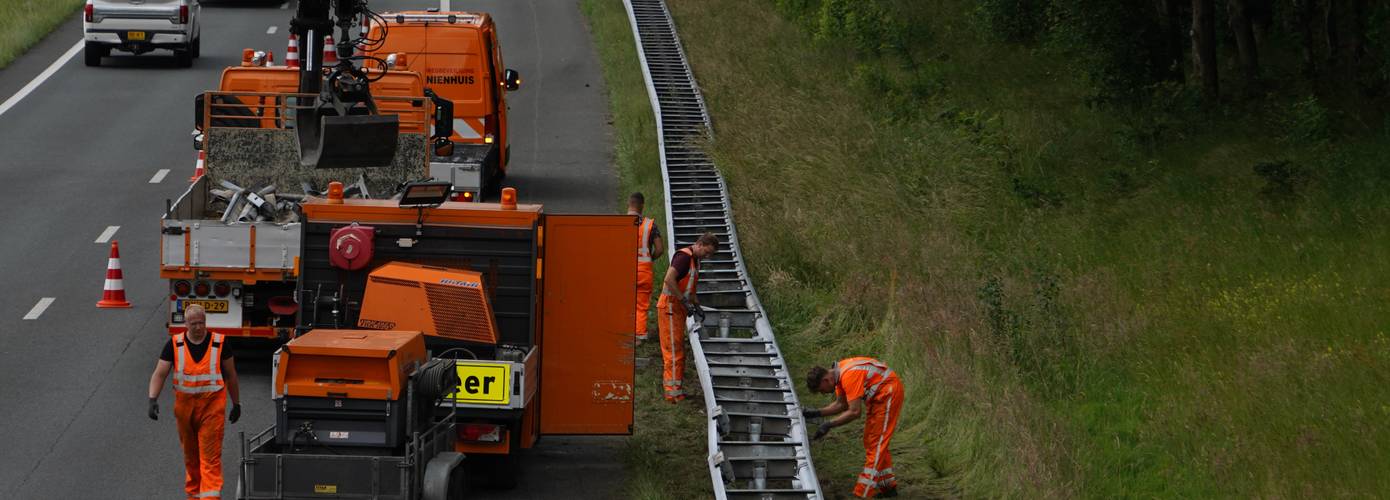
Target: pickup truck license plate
{"points": [[136, 36], [484, 383], [211, 306]]}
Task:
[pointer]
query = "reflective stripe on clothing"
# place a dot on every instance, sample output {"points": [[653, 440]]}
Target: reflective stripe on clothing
{"points": [[688, 283], [209, 494], [198, 377], [861, 377], [671, 333], [882, 421], [644, 240]]}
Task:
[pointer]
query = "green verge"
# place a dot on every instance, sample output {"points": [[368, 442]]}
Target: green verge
{"points": [[24, 22], [665, 458]]}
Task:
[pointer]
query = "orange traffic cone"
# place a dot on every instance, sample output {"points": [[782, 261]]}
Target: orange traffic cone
{"points": [[292, 52], [330, 52], [113, 292], [200, 167]]}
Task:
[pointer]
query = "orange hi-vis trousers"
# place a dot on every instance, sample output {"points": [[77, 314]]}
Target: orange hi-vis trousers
{"points": [[671, 329], [883, 411], [644, 297], [200, 421]]}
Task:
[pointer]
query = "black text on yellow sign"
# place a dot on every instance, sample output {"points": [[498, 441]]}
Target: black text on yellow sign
{"points": [[484, 383]]}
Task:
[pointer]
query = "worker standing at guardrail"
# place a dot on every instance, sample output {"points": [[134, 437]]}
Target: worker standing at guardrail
{"points": [[678, 300], [861, 384], [649, 248], [204, 375]]}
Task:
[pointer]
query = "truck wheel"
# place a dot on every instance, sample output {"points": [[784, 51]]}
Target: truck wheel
{"points": [[504, 471], [92, 53], [183, 58], [196, 48]]}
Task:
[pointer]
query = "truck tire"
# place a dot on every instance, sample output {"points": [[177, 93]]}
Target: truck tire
{"points": [[196, 48], [92, 53], [443, 478], [504, 471], [183, 58]]}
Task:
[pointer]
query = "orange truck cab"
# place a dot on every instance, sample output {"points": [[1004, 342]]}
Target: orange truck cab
{"points": [[460, 57]]}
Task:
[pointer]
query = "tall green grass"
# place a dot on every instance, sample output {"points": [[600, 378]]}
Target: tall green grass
{"points": [[24, 22]]}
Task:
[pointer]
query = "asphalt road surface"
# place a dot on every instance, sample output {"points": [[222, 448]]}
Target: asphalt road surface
{"points": [[82, 151]]}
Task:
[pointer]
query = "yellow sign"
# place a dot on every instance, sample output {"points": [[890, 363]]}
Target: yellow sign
{"points": [[326, 489], [211, 306], [135, 35], [484, 383]]}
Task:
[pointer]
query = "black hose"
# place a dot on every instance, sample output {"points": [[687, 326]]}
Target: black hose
{"points": [[437, 379]]}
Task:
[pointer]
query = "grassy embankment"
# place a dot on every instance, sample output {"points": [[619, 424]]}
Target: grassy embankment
{"points": [[24, 22], [1083, 300]]}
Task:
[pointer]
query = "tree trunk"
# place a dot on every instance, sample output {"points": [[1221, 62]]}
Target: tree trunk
{"points": [[1330, 29], [1241, 24], [1305, 19], [1356, 32], [1172, 37], [1204, 48]]}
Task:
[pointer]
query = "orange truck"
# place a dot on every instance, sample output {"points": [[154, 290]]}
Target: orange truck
{"points": [[460, 57]]}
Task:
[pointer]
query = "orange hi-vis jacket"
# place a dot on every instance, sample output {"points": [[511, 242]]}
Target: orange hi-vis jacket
{"points": [[882, 391], [644, 239], [202, 378], [200, 406]]}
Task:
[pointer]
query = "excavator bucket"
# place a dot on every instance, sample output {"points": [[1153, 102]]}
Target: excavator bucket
{"points": [[353, 141]]}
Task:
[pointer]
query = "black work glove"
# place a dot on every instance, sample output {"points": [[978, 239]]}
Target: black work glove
{"points": [[236, 413], [810, 412], [154, 409], [822, 431]]}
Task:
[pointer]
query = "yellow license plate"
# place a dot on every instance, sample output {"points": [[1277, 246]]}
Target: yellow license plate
{"points": [[135, 35], [211, 306], [484, 383]]}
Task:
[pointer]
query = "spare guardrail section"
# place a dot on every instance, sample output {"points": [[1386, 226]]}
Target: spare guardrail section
{"points": [[758, 446]]}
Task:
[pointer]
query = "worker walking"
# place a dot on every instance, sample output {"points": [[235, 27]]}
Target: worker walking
{"points": [[649, 248], [204, 375], [862, 384], [678, 300]]}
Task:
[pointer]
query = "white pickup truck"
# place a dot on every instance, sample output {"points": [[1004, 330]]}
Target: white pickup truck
{"points": [[140, 26]]}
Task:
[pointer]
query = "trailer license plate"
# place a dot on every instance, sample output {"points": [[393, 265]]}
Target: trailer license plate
{"points": [[484, 383], [135, 35], [211, 306]]}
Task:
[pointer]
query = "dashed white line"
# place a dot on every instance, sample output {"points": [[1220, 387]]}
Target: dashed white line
{"points": [[107, 234], [38, 80], [39, 308], [271, 30], [159, 176]]}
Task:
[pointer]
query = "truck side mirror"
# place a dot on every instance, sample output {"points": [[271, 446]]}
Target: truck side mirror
{"points": [[511, 79], [198, 101], [443, 116]]}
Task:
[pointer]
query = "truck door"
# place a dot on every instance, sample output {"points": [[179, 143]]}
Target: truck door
{"points": [[589, 276]]}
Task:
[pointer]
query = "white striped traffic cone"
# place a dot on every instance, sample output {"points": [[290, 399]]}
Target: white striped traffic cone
{"points": [[200, 167], [330, 53], [113, 292], [292, 52]]}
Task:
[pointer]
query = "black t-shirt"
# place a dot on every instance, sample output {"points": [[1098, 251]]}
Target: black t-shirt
{"points": [[195, 351]]}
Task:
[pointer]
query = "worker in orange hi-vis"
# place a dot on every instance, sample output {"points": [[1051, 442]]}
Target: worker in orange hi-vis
{"points": [[862, 384], [204, 375], [678, 300], [649, 248]]}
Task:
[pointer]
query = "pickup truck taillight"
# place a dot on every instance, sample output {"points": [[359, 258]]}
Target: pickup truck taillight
{"points": [[183, 14], [87, 12]]}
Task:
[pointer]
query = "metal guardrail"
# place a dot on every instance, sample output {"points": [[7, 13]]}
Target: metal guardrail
{"points": [[758, 446]]}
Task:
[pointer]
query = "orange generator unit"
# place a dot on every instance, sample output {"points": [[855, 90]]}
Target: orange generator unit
{"points": [[533, 308]]}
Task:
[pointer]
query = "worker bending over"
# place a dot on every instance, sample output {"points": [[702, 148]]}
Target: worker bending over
{"points": [[649, 248], [204, 375], [678, 300], [859, 384]]}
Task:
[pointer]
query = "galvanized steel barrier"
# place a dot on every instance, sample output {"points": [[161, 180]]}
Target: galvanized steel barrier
{"points": [[758, 447]]}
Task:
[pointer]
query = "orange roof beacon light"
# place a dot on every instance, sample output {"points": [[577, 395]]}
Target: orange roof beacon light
{"points": [[509, 198], [335, 193], [246, 55]]}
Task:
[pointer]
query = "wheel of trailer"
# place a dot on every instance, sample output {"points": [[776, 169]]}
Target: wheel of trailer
{"points": [[93, 52], [444, 477]]}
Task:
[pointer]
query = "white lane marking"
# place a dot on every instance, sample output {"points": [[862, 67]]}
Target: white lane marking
{"points": [[444, 5], [107, 234], [271, 30], [39, 308], [159, 176], [38, 80]]}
